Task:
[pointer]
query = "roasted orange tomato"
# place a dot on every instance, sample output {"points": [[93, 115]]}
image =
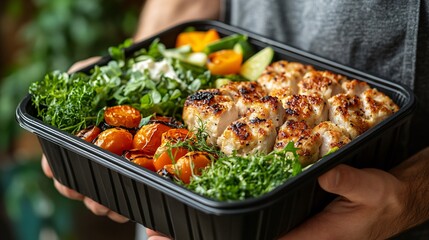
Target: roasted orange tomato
{"points": [[175, 135], [197, 39], [141, 158], [89, 134], [145, 162], [169, 121], [122, 116], [224, 62], [115, 140], [148, 137], [165, 157], [190, 164], [164, 154]]}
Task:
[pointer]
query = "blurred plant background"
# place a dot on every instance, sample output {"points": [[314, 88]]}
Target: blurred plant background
{"points": [[38, 36]]}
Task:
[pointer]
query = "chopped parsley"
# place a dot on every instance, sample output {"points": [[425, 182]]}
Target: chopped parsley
{"points": [[240, 177]]}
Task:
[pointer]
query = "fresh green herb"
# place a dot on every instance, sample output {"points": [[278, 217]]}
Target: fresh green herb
{"points": [[154, 52], [198, 142], [117, 52], [72, 102], [237, 177]]}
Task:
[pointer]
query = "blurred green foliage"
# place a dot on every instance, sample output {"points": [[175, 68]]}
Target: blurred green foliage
{"points": [[53, 34], [32, 204], [59, 33]]}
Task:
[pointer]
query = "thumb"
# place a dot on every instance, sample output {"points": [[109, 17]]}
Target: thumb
{"points": [[356, 185]]}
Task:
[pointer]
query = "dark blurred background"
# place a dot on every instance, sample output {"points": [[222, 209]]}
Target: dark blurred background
{"points": [[36, 37]]}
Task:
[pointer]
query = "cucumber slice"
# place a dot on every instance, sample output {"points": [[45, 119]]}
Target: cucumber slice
{"points": [[255, 65], [185, 54], [177, 52], [198, 58], [245, 49], [221, 81], [224, 43]]}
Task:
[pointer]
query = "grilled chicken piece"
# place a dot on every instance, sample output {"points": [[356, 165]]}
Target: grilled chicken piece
{"points": [[243, 93], [346, 111], [267, 107], [303, 138], [211, 109], [354, 87], [322, 83], [283, 74], [332, 137], [377, 106], [311, 109], [247, 136], [281, 93]]}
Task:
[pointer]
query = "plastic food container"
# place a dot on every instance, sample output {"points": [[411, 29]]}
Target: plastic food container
{"points": [[164, 206]]}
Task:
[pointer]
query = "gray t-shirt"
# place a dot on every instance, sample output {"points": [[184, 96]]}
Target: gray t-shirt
{"points": [[388, 39]]}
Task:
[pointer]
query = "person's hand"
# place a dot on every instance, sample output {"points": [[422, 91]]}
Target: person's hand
{"points": [[92, 205], [152, 235], [372, 204], [83, 63], [369, 206]]}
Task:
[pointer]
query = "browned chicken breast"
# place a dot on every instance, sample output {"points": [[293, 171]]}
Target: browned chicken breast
{"points": [[247, 136], [322, 83], [377, 106], [318, 110], [332, 137], [303, 138], [354, 87], [211, 109], [267, 107], [346, 111], [283, 74], [281, 93], [311, 109], [244, 94]]}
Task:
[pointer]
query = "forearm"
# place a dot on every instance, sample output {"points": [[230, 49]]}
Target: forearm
{"points": [[414, 173], [157, 15]]}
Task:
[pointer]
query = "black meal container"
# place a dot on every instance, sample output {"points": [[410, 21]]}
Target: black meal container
{"points": [[162, 205]]}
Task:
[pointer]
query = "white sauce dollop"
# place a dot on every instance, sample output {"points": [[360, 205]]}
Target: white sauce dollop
{"points": [[156, 69]]}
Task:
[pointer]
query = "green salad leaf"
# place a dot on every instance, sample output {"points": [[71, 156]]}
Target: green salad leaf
{"points": [[72, 102]]}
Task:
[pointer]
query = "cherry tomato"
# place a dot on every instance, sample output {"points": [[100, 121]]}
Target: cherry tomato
{"points": [[115, 140], [122, 116], [89, 134], [224, 62], [141, 158], [169, 121], [164, 153], [190, 164], [175, 135], [148, 137], [197, 39], [145, 162], [164, 158], [135, 153]]}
